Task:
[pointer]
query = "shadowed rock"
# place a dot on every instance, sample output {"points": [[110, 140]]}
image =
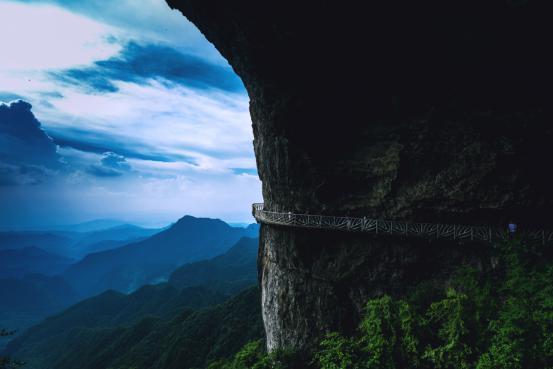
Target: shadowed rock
{"points": [[425, 111]]}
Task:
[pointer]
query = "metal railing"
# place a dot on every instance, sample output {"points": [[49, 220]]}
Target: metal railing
{"points": [[455, 232]]}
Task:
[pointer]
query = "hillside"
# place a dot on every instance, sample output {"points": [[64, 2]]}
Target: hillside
{"points": [[26, 301], [110, 238], [190, 339], [34, 293], [30, 260], [152, 260], [78, 242], [161, 310], [58, 243], [229, 272]]}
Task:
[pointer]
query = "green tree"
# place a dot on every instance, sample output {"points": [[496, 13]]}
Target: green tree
{"points": [[337, 352]]}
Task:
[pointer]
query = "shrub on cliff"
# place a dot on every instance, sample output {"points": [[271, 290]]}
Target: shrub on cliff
{"points": [[498, 319]]}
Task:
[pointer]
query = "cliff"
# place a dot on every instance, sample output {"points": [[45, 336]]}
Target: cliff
{"points": [[425, 111]]}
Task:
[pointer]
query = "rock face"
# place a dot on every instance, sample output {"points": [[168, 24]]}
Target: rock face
{"points": [[426, 111]]}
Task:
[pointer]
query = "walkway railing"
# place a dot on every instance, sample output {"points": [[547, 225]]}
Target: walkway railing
{"points": [[453, 232]]}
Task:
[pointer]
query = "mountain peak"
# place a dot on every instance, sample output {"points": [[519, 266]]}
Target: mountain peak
{"points": [[191, 220]]}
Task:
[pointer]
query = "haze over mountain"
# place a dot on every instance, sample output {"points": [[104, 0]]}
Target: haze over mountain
{"points": [[31, 260], [89, 226], [76, 243], [114, 320], [227, 273], [58, 243], [109, 238], [152, 260], [26, 299]]}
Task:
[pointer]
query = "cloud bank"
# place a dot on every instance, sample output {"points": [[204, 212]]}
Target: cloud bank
{"points": [[140, 118], [27, 154]]}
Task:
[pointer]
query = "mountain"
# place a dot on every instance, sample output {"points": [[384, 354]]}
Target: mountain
{"points": [[252, 230], [153, 259], [107, 245], [26, 301], [34, 292], [187, 339], [113, 237], [90, 226], [228, 273], [76, 243], [155, 317], [52, 242], [31, 260], [113, 309]]}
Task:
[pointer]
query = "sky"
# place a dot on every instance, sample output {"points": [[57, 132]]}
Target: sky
{"points": [[118, 110]]}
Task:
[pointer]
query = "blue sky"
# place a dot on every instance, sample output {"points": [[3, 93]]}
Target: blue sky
{"points": [[129, 113]]}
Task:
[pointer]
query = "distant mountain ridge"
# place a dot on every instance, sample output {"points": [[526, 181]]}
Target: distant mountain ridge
{"points": [[127, 233], [52, 242], [164, 313], [153, 259], [84, 227], [227, 273], [75, 245], [31, 260]]}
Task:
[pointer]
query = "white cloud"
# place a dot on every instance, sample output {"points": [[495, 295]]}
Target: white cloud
{"points": [[48, 37], [204, 132], [151, 20], [163, 120]]}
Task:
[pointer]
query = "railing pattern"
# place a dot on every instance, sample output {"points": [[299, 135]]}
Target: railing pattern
{"points": [[453, 232]]}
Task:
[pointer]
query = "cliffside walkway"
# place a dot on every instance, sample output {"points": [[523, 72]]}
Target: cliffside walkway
{"points": [[454, 232]]}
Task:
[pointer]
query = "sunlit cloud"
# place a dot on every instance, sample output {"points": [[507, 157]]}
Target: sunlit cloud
{"points": [[150, 20], [48, 37]]}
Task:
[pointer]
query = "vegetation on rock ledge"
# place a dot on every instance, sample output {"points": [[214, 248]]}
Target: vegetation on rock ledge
{"points": [[498, 319]]}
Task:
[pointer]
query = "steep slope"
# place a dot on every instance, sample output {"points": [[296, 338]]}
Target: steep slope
{"points": [[131, 266], [30, 260], [26, 301], [35, 293], [191, 339], [227, 273], [151, 323]]}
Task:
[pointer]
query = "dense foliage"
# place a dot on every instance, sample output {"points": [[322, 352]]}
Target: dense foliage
{"points": [[485, 319]]}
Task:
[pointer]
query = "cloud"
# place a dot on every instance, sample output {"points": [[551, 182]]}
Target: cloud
{"points": [[99, 143], [141, 117], [49, 37], [148, 20], [15, 175], [10, 96], [111, 165], [115, 161], [27, 153], [157, 122], [139, 63], [248, 171]]}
